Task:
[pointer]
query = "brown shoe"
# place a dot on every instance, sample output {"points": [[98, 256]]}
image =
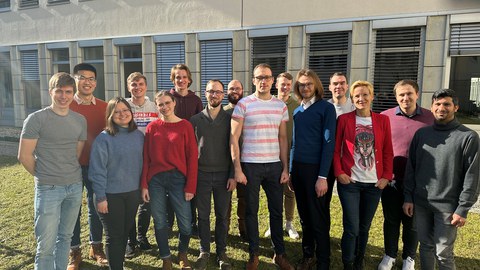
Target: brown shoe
{"points": [[96, 253], [74, 259], [167, 264], [183, 261], [252, 263], [306, 264], [281, 261]]}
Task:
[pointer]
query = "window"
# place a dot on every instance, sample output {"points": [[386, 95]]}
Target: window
{"points": [[27, 3], [4, 5], [397, 55], [58, 1], [6, 91], [60, 60], [327, 54], [94, 56], [216, 63], [30, 79], [271, 50], [168, 55], [465, 69], [130, 61]]}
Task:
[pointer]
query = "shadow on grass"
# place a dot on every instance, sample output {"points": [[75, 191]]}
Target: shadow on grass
{"points": [[8, 251], [7, 161]]}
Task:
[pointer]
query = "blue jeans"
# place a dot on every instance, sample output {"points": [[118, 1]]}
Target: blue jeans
{"points": [[266, 175], [171, 183], [359, 203], [95, 226], [437, 238], [56, 210], [213, 183]]}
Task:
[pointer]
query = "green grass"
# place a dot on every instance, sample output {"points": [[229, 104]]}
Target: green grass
{"points": [[17, 242]]}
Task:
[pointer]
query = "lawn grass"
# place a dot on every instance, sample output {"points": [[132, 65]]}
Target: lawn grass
{"points": [[17, 242]]}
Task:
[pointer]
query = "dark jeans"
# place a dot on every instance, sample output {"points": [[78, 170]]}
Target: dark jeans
{"points": [[122, 208], [359, 203], [144, 214], [212, 183], [392, 202], [171, 183], [94, 223], [266, 175], [314, 213]]}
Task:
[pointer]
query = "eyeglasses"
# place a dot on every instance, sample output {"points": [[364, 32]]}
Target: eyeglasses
{"points": [[305, 85], [124, 111], [214, 92], [261, 78], [83, 78]]}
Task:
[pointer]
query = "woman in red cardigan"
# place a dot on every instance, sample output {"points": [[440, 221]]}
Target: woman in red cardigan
{"points": [[170, 166], [363, 161]]}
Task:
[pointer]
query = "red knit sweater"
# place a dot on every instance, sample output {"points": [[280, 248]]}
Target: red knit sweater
{"points": [[170, 146], [95, 115]]}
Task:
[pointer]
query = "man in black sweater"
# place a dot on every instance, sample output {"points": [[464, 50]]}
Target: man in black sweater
{"points": [[441, 181]]}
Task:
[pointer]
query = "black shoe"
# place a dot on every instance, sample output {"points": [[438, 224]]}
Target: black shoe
{"points": [[144, 245], [130, 250]]}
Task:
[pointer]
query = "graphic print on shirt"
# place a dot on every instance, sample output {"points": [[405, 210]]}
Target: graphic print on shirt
{"points": [[142, 119], [364, 142]]}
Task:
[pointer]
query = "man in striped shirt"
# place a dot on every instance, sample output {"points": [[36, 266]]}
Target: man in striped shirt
{"points": [[261, 119]]}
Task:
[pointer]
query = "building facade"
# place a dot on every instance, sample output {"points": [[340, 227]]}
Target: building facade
{"points": [[436, 42]]}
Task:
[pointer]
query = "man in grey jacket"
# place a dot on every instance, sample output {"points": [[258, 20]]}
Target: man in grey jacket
{"points": [[441, 181]]}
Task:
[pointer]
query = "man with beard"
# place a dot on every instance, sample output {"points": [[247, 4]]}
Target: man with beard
{"points": [[215, 174], [234, 94]]}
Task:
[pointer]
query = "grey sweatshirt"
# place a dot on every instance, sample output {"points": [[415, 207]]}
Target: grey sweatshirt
{"points": [[443, 168]]}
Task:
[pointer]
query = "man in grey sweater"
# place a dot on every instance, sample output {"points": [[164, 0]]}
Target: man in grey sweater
{"points": [[441, 181], [215, 174]]}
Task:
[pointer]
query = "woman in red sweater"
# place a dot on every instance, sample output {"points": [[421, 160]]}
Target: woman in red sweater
{"points": [[363, 163], [170, 163]]}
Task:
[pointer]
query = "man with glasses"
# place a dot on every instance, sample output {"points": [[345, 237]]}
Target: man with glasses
{"points": [[234, 94], [215, 174], [51, 143], [284, 86], [261, 119], [144, 111], [93, 109]]}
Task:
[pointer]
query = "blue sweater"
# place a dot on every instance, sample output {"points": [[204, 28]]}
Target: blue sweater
{"points": [[314, 135], [116, 163]]}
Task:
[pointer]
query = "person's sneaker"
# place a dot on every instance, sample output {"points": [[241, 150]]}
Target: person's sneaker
{"points": [[202, 261], [167, 264], [183, 261], [292, 233], [144, 245], [408, 264], [281, 261], [96, 253], [252, 263], [74, 259], [130, 250], [268, 233], [223, 261], [306, 264], [386, 263]]}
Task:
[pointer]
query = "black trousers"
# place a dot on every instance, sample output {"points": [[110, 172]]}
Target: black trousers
{"points": [[314, 212], [143, 221], [392, 202], [117, 223]]}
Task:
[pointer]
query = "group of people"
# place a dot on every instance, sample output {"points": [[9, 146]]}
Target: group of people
{"points": [[168, 157]]}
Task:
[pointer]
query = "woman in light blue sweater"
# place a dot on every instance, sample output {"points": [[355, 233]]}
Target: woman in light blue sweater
{"points": [[115, 168]]}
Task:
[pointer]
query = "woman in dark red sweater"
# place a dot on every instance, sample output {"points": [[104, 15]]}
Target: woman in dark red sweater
{"points": [[170, 163], [363, 164]]}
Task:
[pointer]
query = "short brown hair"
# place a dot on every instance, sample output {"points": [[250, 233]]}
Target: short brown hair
{"points": [[286, 75], [163, 93], [61, 79], [110, 127], [412, 83], [135, 76], [180, 67], [262, 65], [317, 83]]}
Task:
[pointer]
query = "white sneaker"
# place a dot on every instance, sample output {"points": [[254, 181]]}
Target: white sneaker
{"points": [[267, 233], [386, 263], [292, 233], [408, 264]]}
